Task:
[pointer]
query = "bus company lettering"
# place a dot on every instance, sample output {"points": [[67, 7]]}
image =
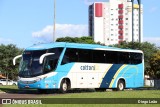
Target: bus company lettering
{"points": [[88, 67]]}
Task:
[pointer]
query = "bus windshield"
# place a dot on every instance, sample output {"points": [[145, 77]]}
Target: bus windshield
{"points": [[30, 66]]}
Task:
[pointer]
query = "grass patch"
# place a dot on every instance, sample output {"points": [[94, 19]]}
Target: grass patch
{"points": [[8, 88], [91, 94], [111, 94], [14, 89]]}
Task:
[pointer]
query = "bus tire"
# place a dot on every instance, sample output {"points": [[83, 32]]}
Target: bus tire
{"points": [[120, 85], [1, 84], [64, 86]]}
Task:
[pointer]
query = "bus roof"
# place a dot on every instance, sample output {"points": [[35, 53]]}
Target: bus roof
{"points": [[77, 45]]}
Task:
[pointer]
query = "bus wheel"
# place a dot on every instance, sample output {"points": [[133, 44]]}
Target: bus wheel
{"points": [[64, 86], [120, 85]]}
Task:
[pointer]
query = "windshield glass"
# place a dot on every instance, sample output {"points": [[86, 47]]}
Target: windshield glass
{"points": [[30, 66]]}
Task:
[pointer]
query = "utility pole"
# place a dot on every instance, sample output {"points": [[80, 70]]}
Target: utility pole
{"points": [[54, 23]]}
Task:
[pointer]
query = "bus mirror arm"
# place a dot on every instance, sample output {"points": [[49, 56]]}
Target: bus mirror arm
{"points": [[43, 56], [15, 58]]}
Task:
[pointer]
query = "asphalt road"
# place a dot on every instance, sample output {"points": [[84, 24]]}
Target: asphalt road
{"points": [[21, 94], [27, 94], [36, 94]]}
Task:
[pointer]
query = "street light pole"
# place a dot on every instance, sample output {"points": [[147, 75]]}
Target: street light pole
{"points": [[54, 25]]}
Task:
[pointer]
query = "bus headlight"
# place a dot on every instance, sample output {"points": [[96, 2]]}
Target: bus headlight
{"points": [[38, 79], [29, 80]]}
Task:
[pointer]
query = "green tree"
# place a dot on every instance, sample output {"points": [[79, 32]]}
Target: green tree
{"points": [[7, 53], [84, 39], [155, 65]]}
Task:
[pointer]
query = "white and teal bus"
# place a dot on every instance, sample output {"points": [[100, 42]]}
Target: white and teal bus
{"points": [[66, 66]]}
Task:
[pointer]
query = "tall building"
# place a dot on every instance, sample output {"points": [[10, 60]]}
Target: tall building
{"points": [[111, 22]]}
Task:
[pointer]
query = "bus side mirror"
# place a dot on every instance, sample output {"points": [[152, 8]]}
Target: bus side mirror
{"points": [[43, 56], [15, 58]]}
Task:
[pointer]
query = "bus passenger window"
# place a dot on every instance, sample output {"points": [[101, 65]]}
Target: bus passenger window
{"points": [[98, 56], [50, 65], [124, 58], [135, 58], [51, 62], [112, 57], [85, 55], [71, 55]]}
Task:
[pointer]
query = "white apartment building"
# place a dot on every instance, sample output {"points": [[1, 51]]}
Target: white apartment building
{"points": [[111, 22]]}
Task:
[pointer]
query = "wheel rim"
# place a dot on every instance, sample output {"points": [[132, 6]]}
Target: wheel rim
{"points": [[64, 86], [121, 86]]}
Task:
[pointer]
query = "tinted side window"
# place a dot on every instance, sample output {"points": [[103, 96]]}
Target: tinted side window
{"points": [[98, 56], [84, 55], [112, 57], [136, 58], [51, 61], [124, 58], [57, 51], [71, 55]]}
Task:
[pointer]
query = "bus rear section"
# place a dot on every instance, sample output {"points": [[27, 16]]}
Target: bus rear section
{"points": [[102, 69]]}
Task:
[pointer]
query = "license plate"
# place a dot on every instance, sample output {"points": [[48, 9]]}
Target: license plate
{"points": [[26, 86]]}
